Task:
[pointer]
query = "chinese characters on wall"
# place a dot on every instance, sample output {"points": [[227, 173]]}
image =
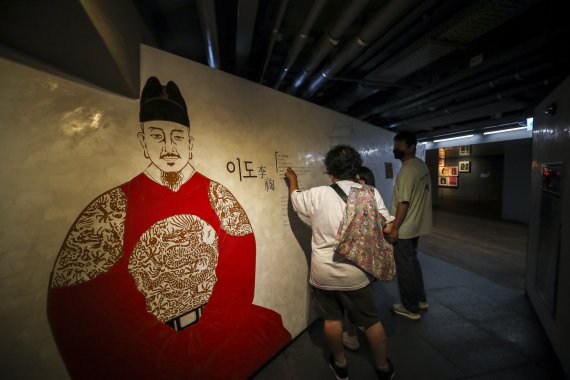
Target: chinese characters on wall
{"points": [[249, 170]]}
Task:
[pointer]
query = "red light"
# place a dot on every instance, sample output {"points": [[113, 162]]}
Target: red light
{"points": [[547, 173]]}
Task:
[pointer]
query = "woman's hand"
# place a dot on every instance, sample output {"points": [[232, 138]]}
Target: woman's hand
{"points": [[291, 175], [292, 180], [393, 235]]}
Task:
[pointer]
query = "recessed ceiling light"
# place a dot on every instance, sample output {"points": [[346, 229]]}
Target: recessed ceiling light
{"points": [[453, 138], [504, 130]]}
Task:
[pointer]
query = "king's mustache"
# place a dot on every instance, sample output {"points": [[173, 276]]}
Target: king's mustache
{"points": [[170, 155]]}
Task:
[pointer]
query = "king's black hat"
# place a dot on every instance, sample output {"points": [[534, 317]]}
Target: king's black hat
{"points": [[160, 102]]}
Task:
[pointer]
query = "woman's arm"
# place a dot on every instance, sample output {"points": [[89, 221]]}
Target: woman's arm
{"points": [[293, 182], [384, 212]]}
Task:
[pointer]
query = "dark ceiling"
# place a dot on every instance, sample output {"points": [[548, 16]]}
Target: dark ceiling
{"points": [[431, 66], [436, 67]]}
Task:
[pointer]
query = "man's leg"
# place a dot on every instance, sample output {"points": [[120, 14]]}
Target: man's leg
{"points": [[418, 272], [405, 272]]}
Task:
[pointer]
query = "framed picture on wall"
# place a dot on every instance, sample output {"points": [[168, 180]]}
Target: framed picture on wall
{"points": [[442, 182], [441, 157], [464, 166], [465, 150], [389, 169], [448, 171], [453, 171], [441, 161], [452, 181]]}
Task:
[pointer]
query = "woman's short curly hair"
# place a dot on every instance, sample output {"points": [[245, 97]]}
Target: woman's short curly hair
{"points": [[343, 162]]}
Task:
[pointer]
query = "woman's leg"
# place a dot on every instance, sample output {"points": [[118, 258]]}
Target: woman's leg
{"points": [[350, 327], [333, 337], [377, 340]]}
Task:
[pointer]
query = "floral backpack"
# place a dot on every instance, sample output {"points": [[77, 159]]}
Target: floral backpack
{"points": [[360, 238]]}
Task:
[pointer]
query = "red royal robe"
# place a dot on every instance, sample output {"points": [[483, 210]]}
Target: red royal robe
{"points": [[101, 321]]}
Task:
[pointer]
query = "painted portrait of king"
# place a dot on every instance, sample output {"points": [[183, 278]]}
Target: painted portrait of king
{"points": [[155, 278]]}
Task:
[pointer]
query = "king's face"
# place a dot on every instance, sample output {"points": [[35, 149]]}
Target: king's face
{"points": [[168, 145]]}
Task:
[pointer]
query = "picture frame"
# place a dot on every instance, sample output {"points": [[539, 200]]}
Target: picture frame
{"points": [[452, 182], [389, 169], [441, 157], [442, 181], [464, 166], [453, 171], [448, 171], [465, 150]]}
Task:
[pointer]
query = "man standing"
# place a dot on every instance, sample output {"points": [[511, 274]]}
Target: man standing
{"points": [[411, 204]]}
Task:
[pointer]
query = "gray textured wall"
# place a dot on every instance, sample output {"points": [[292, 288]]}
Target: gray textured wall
{"points": [[551, 143], [516, 183]]}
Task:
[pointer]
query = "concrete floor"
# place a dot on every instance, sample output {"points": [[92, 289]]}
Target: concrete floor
{"points": [[494, 249], [474, 329]]}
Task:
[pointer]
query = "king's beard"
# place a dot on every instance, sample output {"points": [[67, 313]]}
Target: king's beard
{"points": [[172, 180]]}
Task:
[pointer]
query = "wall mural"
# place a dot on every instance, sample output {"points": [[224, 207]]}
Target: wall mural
{"points": [[156, 277], [125, 298]]}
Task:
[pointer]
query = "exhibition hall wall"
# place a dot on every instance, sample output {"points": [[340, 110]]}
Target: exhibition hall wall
{"points": [[493, 179], [73, 159], [548, 259]]}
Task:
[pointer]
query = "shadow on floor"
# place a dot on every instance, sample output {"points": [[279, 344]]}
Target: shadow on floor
{"points": [[474, 329], [487, 210]]}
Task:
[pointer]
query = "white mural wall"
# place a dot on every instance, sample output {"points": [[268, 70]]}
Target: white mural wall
{"points": [[63, 143]]}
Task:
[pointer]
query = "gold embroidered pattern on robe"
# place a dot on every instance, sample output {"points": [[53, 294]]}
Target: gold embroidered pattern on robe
{"points": [[174, 265], [233, 218], [94, 242]]}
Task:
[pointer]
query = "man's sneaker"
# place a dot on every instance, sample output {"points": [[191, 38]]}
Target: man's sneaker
{"points": [[423, 305], [401, 310], [341, 373], [386, 375], [350, 342]]}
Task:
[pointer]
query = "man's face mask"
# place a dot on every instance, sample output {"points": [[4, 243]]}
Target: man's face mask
{"points": [[399, 154]]}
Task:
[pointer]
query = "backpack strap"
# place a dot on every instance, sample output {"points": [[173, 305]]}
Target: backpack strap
{"points": [[340, 192]]}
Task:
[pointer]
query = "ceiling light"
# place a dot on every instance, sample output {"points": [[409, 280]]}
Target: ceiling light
{"points": [[453, 138], [505, 130]]}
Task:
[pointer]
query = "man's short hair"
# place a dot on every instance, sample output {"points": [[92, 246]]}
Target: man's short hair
{"points": [[408, 137], [343, 162]]}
